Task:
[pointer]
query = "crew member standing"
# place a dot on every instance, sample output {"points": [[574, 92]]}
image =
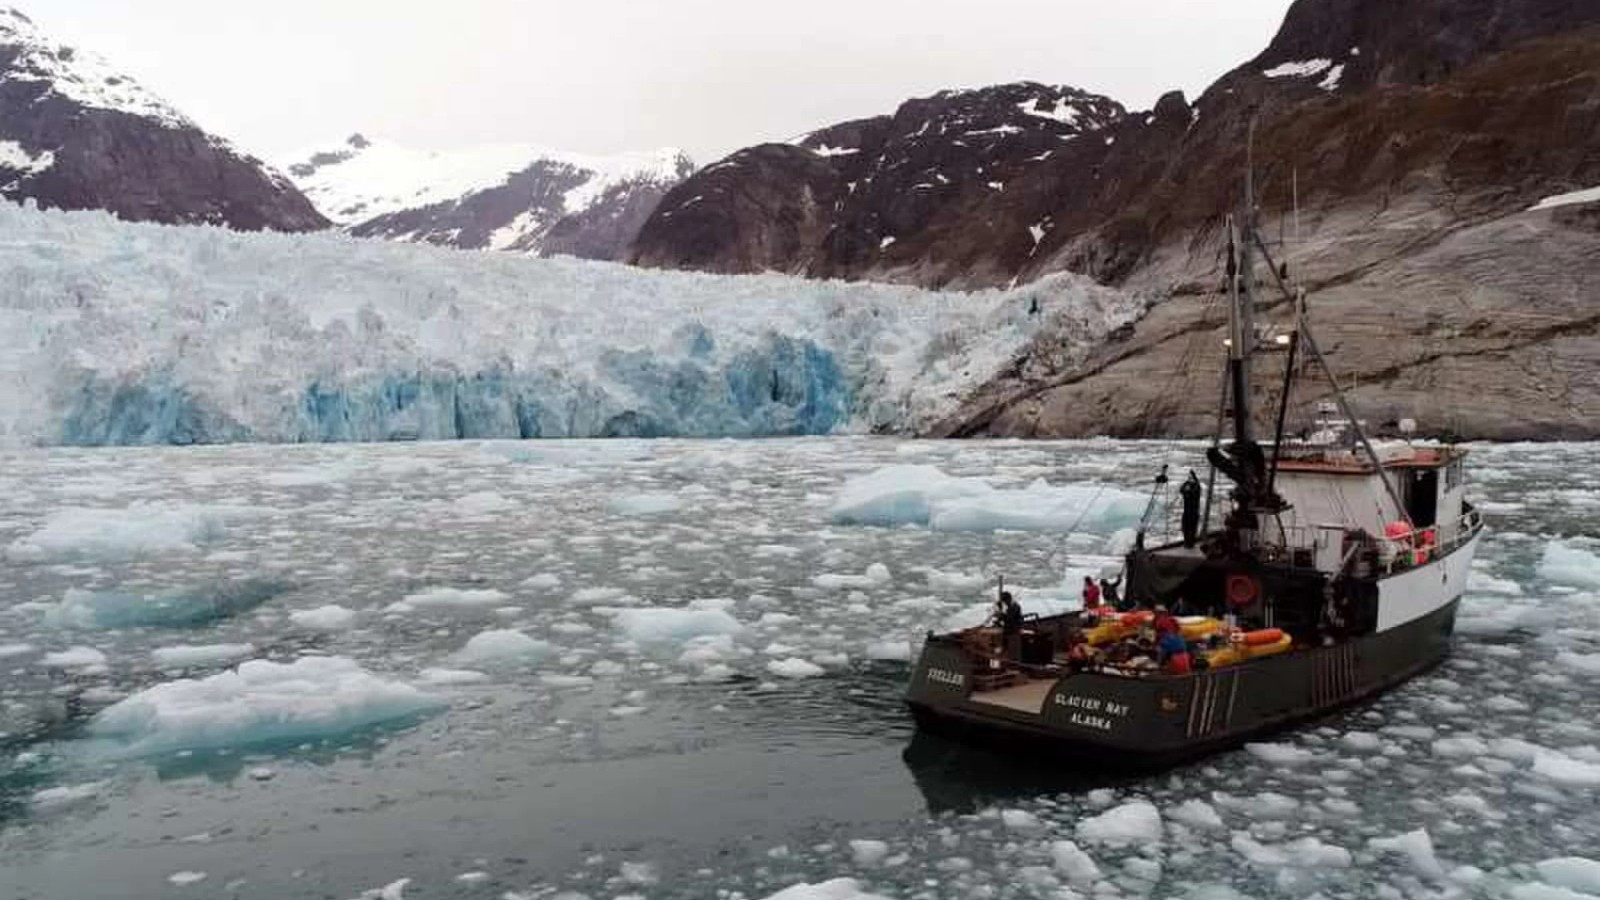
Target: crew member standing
{"points": [[1091, 593], [1011, 625], [1190, 492]]}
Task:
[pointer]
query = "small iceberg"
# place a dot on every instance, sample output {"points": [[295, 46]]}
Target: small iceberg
{"points": [[260, 702]]}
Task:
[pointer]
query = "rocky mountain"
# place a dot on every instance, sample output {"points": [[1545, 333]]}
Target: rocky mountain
{"points": [[1417, 140], [503, 197], [873, 197], [77, 134]]}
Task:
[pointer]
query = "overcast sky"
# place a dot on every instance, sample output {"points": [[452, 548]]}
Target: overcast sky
{"points": [[597, 76]]}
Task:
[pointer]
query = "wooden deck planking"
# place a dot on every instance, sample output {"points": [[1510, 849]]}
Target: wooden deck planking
{"points": [[1027, 697]]}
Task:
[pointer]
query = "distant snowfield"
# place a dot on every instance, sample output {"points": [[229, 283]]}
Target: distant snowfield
{"points": [[379, 177], [117, 333]]}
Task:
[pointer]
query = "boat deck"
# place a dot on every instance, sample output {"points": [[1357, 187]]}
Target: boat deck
{"points": [[1026, 697]]}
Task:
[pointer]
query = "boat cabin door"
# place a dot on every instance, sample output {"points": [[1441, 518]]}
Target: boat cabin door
{"points": [[1422, 497]]}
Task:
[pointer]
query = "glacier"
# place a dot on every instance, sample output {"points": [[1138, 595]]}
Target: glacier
{"points": [[115, 333]]}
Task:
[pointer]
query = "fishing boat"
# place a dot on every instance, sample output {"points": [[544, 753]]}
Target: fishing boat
{"points": [[1334, 575]]}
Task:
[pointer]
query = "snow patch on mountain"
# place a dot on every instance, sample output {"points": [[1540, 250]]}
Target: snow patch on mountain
{"points": [[24, 162], [1063, 111], [84, 77], [1587, 195], [1304, 68], [361, 178]]}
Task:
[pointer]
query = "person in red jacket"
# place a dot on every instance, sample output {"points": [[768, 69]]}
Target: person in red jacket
{"points": [[1091, 593], [1172, 651], [1165, 622]]}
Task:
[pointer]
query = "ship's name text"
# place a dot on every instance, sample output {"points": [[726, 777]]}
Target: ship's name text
{"points": [[945, 676], [1092, 712]]}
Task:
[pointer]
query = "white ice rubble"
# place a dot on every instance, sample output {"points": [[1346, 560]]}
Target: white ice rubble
{"points": [[126, 333]]}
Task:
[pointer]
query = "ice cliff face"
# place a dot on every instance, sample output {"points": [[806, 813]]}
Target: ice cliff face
{"points": [[114, 333]]}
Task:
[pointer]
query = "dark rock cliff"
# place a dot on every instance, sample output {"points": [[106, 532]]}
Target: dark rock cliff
{"points": [[75, 134]]}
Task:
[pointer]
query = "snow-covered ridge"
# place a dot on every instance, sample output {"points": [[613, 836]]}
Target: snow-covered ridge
{"points": [[78, 75], [116, 333], [360, 178]]}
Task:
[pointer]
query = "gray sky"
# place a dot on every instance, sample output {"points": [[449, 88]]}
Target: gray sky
{"points": [[596, 76]]}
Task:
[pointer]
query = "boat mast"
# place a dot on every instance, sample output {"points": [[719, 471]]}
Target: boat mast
{"points": [[1242, 301]]}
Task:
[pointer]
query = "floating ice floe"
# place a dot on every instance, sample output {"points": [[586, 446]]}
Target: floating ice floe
{"points": [[868, 852], [1563, 769], [653, 624], [328, 617], [443, 677], [1588, 663], [876, 575], [139, 530], [1417, 847], [834, 889], [8, 651], [889, 651], [65, 795], [1565, 564], [647, 504], [503, 646], [482, 503], [1073, 863], [1306, 852], [1264, 805], [1280, 754], [794, 667], [1195, 813], [1135, 822], [260, 702], [924, 495], [448, 599], [1574, 873], [78, 657], [198, 654], [186, 607]]}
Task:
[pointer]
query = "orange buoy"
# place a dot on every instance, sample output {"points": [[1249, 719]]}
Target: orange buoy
{"points": [[1136, 618], [1263, 636]]}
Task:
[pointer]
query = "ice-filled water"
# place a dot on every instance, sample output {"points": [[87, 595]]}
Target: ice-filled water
{"points": [[672, 669]]}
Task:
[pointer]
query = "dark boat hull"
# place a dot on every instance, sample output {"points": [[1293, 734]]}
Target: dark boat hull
{"points": [[1122, 722]]}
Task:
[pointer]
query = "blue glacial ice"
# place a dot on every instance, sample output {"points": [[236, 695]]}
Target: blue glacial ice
{"points": [[119, 333], [186, 607]]}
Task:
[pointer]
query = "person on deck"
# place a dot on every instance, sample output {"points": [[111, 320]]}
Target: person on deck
{"points": [[1165, 622], [1091, 593], [1010, 613], [1110, 593], [1190, 494], [1172, 651], [1010, 625]]}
